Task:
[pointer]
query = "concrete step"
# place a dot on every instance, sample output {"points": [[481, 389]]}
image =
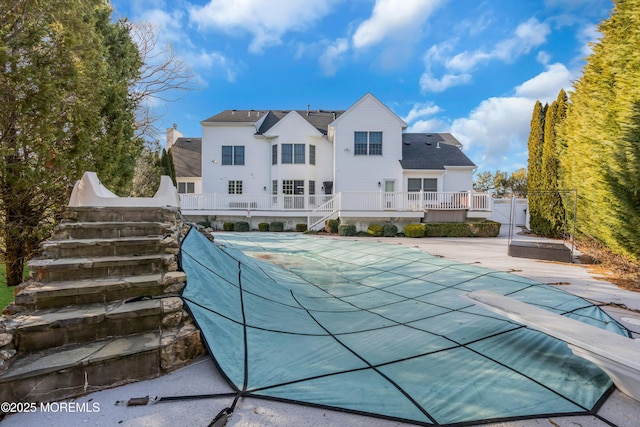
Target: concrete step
{"points": [[51, 328], [63, 373], [65, 269], [39, 296], [73, 248], [120, 214], [110, 230]]}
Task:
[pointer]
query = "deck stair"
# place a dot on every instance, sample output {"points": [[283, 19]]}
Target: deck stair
{"points": [[101, 307]]}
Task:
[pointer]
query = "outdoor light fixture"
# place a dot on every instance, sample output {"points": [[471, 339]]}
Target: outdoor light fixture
{"points": [[379, 184]]}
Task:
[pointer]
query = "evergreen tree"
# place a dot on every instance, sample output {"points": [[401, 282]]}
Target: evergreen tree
{"points": [[535, 180], [600, 134], [65, 73], [552, 207]]}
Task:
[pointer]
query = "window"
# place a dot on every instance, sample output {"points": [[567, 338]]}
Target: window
{"points": [[312, 154], [274, 155], [290, 186], [312, 187], [430, 184], [375, 143], [298, 154], [274, 187], [287, 153], [287, 186], [233, 155], [367, 143], [186, 187], [422, 184], [227, 155], [414, 184], [235, 187], [360, 143]]}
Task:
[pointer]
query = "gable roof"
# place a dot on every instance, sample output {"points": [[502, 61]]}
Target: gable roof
{"points": [[187, 157], [369, 96], [432, 151], [319, 119]]}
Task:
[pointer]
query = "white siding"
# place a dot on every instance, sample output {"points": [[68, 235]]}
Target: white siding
{"points": [[458, 179], [293, 129], [363, 172], [257, 159]]}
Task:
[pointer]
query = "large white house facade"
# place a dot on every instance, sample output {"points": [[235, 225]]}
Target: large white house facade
{"points": [[306, 166]]}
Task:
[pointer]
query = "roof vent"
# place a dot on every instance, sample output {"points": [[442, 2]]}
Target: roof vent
{"points": [[407, 143], [308, 109], [428, 143], [438, 145]]}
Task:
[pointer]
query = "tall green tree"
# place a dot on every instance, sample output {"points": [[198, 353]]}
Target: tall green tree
{"points": [[535, 180], [600, 134], [550, 199], [66, 68]]}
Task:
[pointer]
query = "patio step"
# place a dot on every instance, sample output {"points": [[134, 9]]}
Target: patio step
{"points": [[72, 248], [44, 329], [63, 269], [83, 214], [110, 230], [101, 307], [39, 296], [71, 371]]}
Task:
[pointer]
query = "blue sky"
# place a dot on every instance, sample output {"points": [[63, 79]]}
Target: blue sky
{"points": [[472, 68]]}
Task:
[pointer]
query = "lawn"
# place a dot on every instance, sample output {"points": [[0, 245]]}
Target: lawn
{"points": [[6, 293]]}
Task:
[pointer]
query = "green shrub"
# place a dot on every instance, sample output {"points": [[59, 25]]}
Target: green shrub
{"points": [[331, 225], [227, 226], [241, 226], [347, 230], [301, 228], [389, 230], [463, 229], [263, 226], [276, 226], [414, 230], [375, 230]]}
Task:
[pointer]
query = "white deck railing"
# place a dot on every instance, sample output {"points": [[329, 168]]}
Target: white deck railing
{"points": [[324, 205]]}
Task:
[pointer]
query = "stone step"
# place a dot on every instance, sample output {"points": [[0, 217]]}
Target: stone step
{"points": [[110, 230], [68, 372], [120, 214], [38, 296], [51, 328], [65, 269], [72, 248]]}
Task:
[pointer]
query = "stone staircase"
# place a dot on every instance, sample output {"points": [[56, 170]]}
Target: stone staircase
{"points": [[101, 307]]}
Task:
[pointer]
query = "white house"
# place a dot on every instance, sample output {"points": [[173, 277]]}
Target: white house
{"points": [[311, 165]]}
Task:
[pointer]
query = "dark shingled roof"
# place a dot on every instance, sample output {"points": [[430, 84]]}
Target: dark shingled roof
{"points": [[319, 119], [432, 151], [187, 157]]}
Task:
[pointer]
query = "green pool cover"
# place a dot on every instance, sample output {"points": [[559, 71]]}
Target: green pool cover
{"points": [[383, 330]]}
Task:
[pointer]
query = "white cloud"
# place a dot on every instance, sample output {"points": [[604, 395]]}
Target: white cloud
{"points": [[266, 21], [457, 68], [546, 85], [332, 56], [496, 132], [420, 110], [430, 83], [392, 18]]}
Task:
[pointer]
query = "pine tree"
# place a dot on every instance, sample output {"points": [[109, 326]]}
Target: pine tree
{"points": [[534, 184], [553, 210], [601, 136]]}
